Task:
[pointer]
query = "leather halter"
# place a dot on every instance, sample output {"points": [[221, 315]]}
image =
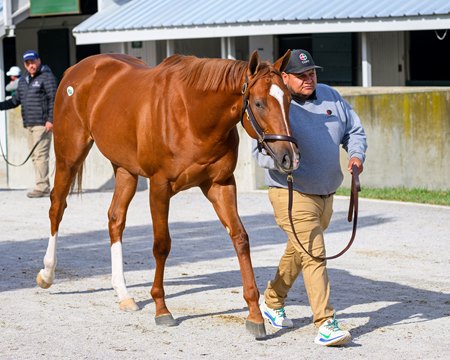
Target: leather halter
{"points": [[263, 138], [352, 210]]}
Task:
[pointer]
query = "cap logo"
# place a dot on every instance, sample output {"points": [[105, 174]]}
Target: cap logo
{"points": [[303, 57]]}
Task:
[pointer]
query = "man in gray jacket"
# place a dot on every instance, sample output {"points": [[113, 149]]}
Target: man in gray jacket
{"points": [[36, 93], [321, 120]]}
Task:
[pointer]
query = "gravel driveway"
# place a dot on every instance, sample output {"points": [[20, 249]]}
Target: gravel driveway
{"points": [[391, 289]]}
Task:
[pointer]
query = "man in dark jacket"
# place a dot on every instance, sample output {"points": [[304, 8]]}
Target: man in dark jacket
{"points": [[36, 94]]}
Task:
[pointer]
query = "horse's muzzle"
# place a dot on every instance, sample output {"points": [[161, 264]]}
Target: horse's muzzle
{"points": [[289, 162]]}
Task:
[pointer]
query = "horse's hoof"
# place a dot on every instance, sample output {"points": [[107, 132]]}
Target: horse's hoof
{"points": [[128, 305], [41, 282], [165, 320], [256, 329]]}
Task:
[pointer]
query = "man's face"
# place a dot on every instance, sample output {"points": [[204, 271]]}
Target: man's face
{"points": [[302, 85], [32, 66]]}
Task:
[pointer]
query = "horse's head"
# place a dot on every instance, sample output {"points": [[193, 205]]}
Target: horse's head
{"points": [[265, 113]]}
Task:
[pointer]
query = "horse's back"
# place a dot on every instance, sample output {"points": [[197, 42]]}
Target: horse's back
{"points": [[96, 72], [96, 99], [99, 85], [97, 63]]}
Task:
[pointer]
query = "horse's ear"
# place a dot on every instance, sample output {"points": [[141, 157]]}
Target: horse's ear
{"points": [[282, 62], [253, 63]]}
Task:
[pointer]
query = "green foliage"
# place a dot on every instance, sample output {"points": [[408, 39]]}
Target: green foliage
{"points": [[423, 196]]}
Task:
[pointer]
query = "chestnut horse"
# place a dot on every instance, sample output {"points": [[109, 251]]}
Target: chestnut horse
{"points": [[176, 125]]}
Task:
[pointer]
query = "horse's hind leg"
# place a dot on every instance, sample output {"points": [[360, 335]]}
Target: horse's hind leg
{"points": [[160, 194], [223, 198], [124, 190], [69, 161]]}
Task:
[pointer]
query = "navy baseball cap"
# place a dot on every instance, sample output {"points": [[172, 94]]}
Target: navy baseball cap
{"points": [[30, 55], [299, 62]]}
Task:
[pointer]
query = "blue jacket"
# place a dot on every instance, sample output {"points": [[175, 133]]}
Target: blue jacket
{"points": [[37, 97], [321, 125]]}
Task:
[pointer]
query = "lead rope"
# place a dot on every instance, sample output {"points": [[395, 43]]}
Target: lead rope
{"points": [[29, 155], [352, 213]]}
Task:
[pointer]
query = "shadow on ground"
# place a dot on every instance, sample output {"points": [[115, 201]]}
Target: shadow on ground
{"points": [[191, 242]]}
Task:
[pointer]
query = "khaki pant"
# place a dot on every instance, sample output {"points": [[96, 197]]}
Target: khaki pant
{"points": [[311, 215], [40, 156]]}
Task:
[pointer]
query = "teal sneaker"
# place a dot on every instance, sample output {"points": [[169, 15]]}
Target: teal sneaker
{"points": [[276, 317], [331, 334]]}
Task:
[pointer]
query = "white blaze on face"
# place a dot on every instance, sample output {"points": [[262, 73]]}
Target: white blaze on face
{"points": [[278, 94]]}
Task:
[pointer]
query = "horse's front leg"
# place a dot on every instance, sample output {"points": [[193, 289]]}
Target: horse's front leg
{"points": [[46, 276], [160, 194], [124, 190], [63, 178], [223, 198]]}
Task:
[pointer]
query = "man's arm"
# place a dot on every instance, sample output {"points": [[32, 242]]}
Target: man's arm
{"points": [[354, 140], [10, 103], [264, 160]]}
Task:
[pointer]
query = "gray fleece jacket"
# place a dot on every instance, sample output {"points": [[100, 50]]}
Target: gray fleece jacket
{"points": [[321, 125]]}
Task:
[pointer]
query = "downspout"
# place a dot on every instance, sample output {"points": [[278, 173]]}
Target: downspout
{"points": [[170, 47], [366, 65], [228, 48]]}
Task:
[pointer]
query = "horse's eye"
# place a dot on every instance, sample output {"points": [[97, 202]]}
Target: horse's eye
{"points": [[258, 104]]}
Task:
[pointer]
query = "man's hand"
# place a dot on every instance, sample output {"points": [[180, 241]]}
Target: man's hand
{"points": [[357, 162], [48, 126]]}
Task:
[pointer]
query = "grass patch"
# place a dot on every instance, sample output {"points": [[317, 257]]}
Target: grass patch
{"points": [[422, 196]]}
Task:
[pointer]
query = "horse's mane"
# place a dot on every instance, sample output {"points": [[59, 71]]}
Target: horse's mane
{"points": [[206, 74]]}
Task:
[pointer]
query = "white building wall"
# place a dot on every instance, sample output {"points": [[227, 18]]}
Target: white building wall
{"points": [[264, 45], [113, 48], [146, 52], [387, 53]]}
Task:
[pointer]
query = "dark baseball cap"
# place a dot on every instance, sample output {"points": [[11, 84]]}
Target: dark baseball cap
{"points": [[299, 62], [30, 55]]}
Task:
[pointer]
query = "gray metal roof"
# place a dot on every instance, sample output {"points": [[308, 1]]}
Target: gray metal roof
{"points": [[138, 15]]}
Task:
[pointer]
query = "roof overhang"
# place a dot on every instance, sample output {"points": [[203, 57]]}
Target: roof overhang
{"points": [[435, 22]]}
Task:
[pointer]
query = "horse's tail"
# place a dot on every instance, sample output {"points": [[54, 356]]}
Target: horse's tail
{"points": [[77, 183]]}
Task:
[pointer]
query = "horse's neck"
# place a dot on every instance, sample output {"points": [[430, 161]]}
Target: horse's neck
{"points": [[235, 104]]}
